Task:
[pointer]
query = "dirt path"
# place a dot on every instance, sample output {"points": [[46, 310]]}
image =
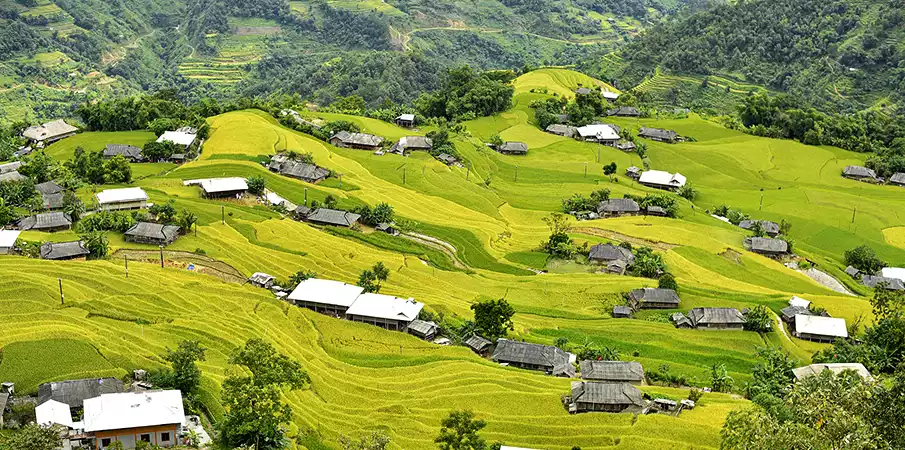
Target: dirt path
{"points": [[826, 280], [432, 242], [782, 328]]}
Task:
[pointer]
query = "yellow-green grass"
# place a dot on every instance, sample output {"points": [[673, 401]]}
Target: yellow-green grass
{"points": [[30, 363], [371, 6], [96, 140], [49, 59], [560, 81]]}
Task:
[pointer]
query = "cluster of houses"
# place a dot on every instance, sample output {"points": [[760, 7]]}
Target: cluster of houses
{"points": [[862, 173], [805, 323], [403, 146], [609, 134]]}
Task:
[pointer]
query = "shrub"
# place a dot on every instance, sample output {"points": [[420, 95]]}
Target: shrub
{"points": [[864, 259], [256, 185], [668, 281]]}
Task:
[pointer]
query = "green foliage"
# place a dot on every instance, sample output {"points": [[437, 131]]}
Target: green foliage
{"points": [[592, 352], [772, 374], [297, 278], [460, 432], [559, 244], [376, 441], [667, 281], [256, 185], [720, 379], [72, 205], [97, 243], [106, 221], [493, 318], [465, 95], [759, 319], [647, 263], [609, 169], [31, 437], [864, 259], [382, 213], [371, 279], [688, 192], [578, 202], [160, 151], [164, 212]]}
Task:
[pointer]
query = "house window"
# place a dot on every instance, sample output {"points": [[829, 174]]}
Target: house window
{"points": [[145, 437], [105, 442], [165, 436]]}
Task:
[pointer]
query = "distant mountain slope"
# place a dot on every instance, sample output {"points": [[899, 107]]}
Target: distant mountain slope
{"points": [[836, 54]]}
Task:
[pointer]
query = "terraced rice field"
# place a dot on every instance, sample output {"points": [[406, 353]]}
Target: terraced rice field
{"points": [[366, 379]]}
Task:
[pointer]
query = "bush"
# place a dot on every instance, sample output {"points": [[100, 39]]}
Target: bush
{"points": [[256, 184], [668, 281], [864, 259], [688, 192]]}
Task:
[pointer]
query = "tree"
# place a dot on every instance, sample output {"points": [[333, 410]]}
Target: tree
{"points": [[493, 318], [382, 213], [667, 281], [97, 244], [165, 213], [864, 259], [647, 263], [758, 319], [609, 170], [757, 229], [460, 432], [186, 220], [329, 201], [117, 170], [7, 213], [297, 278], [160, 151], [559, 243], [720, 379], [268, 366], [38, 166], [370, 279], [256, 184], [772, 374], [600, 195], [72, 205], [31, 437], [688, 192], [376, 441], [186, 376]]}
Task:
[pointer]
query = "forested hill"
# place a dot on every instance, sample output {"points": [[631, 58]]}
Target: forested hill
{"points": [[835, 54]]}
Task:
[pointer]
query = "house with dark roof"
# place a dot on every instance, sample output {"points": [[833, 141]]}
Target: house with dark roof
{"points": [[612, 371], [584, 91], [388, 228], [627, 146], [130, 152], [64, 250], [653, 298], [852, 272], [771, 228], [447, 159], [310, 173], [49, 187], [624, 111], [680, 321], [561, 130], [49, 132], [262, 280], [408, 144], [622, 312], [607, 253], [788, 313], [767, 246], [717, 318], [75, 392], [616, 207], [361, 141], [590, 396], [652, 210], [326, 216], [478, 344], [513, 148], [859, 173], [52, 202], [10, 167], [50, 221], [897, 179], [547, 358], [12, 176], [633, 172], [875, 282], [423, 329], [659, 135], [152, 233]]}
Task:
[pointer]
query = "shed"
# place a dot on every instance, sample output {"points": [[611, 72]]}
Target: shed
{"points": [[767, 246], [815, 369], [182, 137], [447, 159], [388, 228], [50, 221], [800, 302], [873, 282], [332, 217], [310, 173], [600, 133], [8, 240], [152, 233], [52, 202], [325, 296], [49, 132], [584, 91], [413, 143], [405, 120], [604, 253], [385, 311], [653, 298], [606, 397], [363, 141], [859, 173], [75, 392], [897, 179], [852, 272], [52, 413], [717, 318], [633, 172], [788, 313], [652, 210], [626, 146], [624, 111], [622, 312], [231, 187], [64, 250], [664, 404], [615, 207], [513, 148], [771, 228], [658, 134], [12, 176], [680, 321], [561, 130], [478, 344], [49, 187], [10, 167], [662, 180], [130, 152], [262, 280], [549, 359], [613, 371], [820, 328], [423, 329], [125, 198]]}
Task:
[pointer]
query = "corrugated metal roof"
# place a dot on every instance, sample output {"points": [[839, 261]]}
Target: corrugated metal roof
{"points": [[133, 410], [662, 178], [327, 292], [820, 326], [385, 307], [124, 195], [178, 137]]}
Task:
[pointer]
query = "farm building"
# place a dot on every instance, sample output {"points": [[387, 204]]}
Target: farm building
{"points": [[893, 272], [616, 207], [177, 158], [8, 241], [388, 228], [561, 130], [859, 173], [788, 313], [590, 396], [75, 392], [408, 144], [183, 137], [478, 344], [53, 412], [51, 221], [599, 133], [384, 311], [361, 141], [10, 167], [513, 148], [626, 146], [606, 253], [658, 134], [613, 371], [52, 202], [819, 328], [680, 321], [447, 159], [125, 198], [653, 298], [897, 179], [156, 417], [800, 302], [310, 173], [262, 280], [624, 111], [874, 282], [423, 329], [64, 250], [49, 132], [662, 180], [717, 318], [549, 359], [622, 312], [152, 233], [585, 91], [609, 95], [326, 216], [405, 120], [325, 296], [130, 152], [633, 172], [767, 246], [771, 228], [12, 176], [852, 272], [231, 187], [815, 369], [658, 211]]}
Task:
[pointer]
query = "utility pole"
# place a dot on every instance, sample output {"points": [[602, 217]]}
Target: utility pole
{"points": [[761, 201], [854, 209], [306, 196], [468, 172], [516, 174], [585, 169], [196, 228], [126, 258], [161, 257], [598, 154], [223, 214], [340, 182], [62, 300]]}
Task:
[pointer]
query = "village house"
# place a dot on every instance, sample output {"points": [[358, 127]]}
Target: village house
{"points": [[561, 130], [609, 253], [599, 133], [262, 280], [12, 176], [717, 318], [837, 368], [327, 217], [183, 137], [897, 179], [852, 272], [513, 148], [680, 321], [624, 111], [616, 207], [74, 392], [423, 329], [177, 158], [819, 328], [788, 313], [874, 282], [51, 195], [385, 311], [626, 146], [130, 152], [549, 359], [48, 222], [478, 345], [767, 246], [52, 413], [447, 159], [325, 296], [50, 132], [408, 144], [653, 210], [118, 199], [585, 91], [771, 228], [590, 396], [64, 250], [10, 167], [800, 302], [633, 172], [152, 233], [622, 312], [662, 180], [659, 135], [310, 173], [405, 120], [388, 228], [230, 187], [859, 173], [653, 298], [155, 417], [361, 141], [613, 371], [8, 240]]}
